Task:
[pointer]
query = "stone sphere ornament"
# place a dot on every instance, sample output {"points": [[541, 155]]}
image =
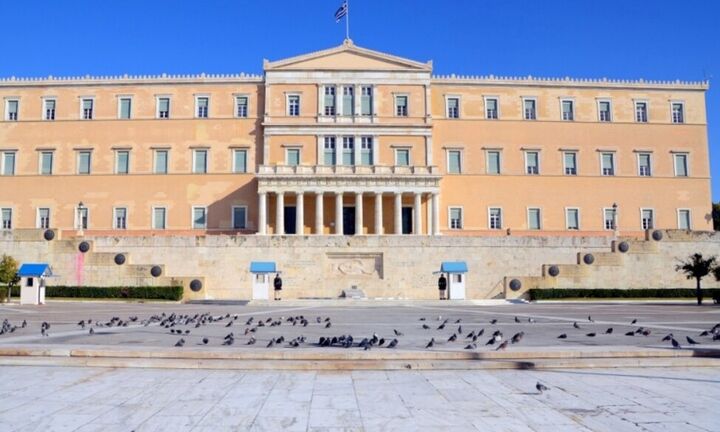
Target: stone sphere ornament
{"points": [[156, 271], [588, 259], [623, 247], [515, 284], [196, 285], [84, 247], [554, 270], [119, 259], [49, 235], [657, 235]]}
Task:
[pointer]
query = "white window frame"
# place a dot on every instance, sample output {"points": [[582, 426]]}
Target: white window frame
{"points": [[372, 99], [524, 114], [567, 219], [167, 161], [197, 105], [447, 106], [407, 104], [616, 216], [461, 161], [232, 216], [497, 107], [76, 221], [614, 164], [287, 154], [114, 217], [540, 218], [611, 113], [40, 162], [157, 106], [82, 110], [192, 216], [207, 160], [117, 161], [153, 220], [652, 214], [647, 110], [236, 105], [2, 162], [672, 117], [336, 103], [77, 162], [119, 106], [288, 111], [12, 211], [409, 152], [43, 114], [353, 99], [650, 161], [487, 161], [7, 108], [234, 165], [674, 162], [489, 216], [564, 162], [37, 217], [462, 217], [572, 113], [372, 139], [525, 156], [689, 213]]}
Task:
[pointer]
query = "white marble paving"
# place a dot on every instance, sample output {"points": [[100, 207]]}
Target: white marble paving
{"points": [[107, 400]]}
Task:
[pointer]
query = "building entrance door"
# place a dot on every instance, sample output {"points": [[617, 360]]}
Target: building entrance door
{"points": [[407, 220], [349, 220], [290, 217]]}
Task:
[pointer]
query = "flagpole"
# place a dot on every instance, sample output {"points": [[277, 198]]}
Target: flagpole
{"points": [[347, 20]]}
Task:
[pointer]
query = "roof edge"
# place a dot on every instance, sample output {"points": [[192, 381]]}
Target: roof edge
{"points": [[569, 82]]}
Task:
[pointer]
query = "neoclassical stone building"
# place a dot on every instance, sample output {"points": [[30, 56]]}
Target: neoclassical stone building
{"points": [[352, 141]]}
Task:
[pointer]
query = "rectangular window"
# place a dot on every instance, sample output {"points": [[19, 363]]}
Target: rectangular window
{"points": [[608, 164], [366, 101], [241, 106], [348, 108], [6, 218], [568, 110], [44, 218], [161, 161], [200, 161], [199, 218], [644, 168], [647, 219], [681, 165], [495, 218], [491, 108], [493, 162], [125, 108], [604, 113], [570, 159], [122, 162], [401, 106], [609, 219], [87, 108], [49, 109], [239, 217], [239, 161], [348, 151], [159, 218], [293, 107], [532, 162], [534, 222], [456, 221], [572, 219], [163, 107], [366, 150], [329, 101], [8, 163], [684, 219], [120, 218], [329, 151], [82, 214], [11, 109], [641, 112], [292, 156], [530, 109], [84, 162], [402, 157], [678, 112], [46, 162], [454, 161], [202, 106], [453, 107]]}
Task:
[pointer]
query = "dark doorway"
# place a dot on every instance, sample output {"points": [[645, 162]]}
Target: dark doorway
{"points": [[349, 220], [290, 218], [407, 220]]}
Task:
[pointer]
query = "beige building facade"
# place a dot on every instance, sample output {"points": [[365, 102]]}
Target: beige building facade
{"points": [[355, 142]]}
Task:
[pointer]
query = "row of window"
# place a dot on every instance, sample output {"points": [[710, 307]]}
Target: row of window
{"points": [[572, 218], [567, 109], [455, 218]]}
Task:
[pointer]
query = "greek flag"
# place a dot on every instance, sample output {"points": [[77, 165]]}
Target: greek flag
{"points": [[341, 12]]}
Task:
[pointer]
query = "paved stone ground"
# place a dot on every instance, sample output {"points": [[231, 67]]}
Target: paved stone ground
{"points": [[97, 399], [361, 320]]}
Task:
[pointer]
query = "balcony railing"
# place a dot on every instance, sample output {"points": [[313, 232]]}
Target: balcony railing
{"points": [[346, 170]]}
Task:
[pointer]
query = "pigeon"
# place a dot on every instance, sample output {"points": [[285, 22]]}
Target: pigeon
{"points": [[517, 320], [229, 324], [480, 333], [251, 341], [541, 387], [517, 337], [502, 346], [205, 341], [81, 324], [646, 332], [452, 338], [459, 330], [180, 343], [271, 343], [531, 320], [470, 335], [630, 333], [633, 321], [92, 331], [328, 325], [430, 344], [458, 321], [705, 333], [575, 324], [393, 343], [493, 321], [609, 330], [426, 327], [562, 336], [397, 333], [691, 341], [422, 319], [24, 324], [590, 335], [668, 337], [441, 326], [675, 343], [471, 346], [590, 319]]}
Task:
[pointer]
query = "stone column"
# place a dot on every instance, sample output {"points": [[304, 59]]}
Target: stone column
{"points": [[300, 213], [280, 214], [398, 213], [417, 223], [319, 225], [378, 213], [435, 214], [262, 213], [358, 213], [339, 213]]}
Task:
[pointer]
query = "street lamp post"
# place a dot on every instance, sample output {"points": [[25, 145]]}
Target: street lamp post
{"points": [[80, 218]]}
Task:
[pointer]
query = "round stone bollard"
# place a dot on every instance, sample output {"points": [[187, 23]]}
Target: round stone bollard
{"points": [[588, 259], [657, 235], [84, 247], [119, 259], [156, 271], [196, 285], [49, 235], [623, 247], [515, 284], [554, 270]]}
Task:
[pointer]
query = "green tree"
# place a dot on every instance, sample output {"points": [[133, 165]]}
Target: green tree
{"points": [[8, 272], [697, 267], [716, 272], [716, 216]]}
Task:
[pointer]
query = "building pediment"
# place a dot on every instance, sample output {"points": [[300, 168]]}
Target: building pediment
{"points": [[347, 57]]}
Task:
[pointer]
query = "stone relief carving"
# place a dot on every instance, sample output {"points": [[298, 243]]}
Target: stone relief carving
{"points": [[369, 265]]}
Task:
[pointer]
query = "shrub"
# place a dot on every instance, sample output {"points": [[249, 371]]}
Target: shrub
{"points": [[3, 294], [141, 292], [609, 293]]}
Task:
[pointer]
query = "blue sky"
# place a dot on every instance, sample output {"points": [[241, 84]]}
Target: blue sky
{"points": [[658, 39]]}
